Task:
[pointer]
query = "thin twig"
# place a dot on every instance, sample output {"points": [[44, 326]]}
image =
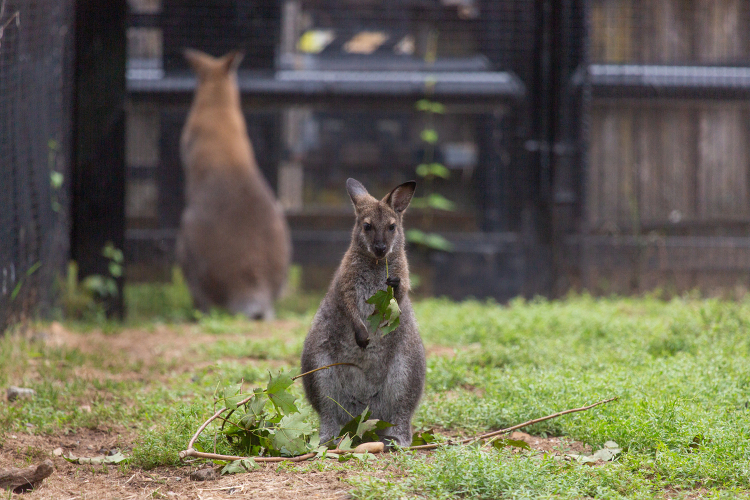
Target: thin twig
{"points": [[321, 368], [215, 456], [432, 446]]}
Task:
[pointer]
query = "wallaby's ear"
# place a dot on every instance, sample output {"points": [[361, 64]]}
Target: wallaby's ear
{"points": [[198, 60], [357, 191], [400, 197], [231, 61]]}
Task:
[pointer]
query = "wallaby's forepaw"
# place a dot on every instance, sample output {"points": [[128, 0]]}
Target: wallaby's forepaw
{"points": [[361, 335], [393, 281]]}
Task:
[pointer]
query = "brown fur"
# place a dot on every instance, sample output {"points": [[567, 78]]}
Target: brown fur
{"points": [[234, 244]]}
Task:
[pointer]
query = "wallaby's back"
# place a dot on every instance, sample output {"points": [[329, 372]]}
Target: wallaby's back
{"points": [[234, 245], [389, 371]]}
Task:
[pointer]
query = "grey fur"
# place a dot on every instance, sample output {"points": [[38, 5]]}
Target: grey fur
{"points": [[390, 370]]}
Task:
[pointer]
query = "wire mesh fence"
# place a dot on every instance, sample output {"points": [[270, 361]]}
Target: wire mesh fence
{"points": [[330, 90], [36, 55], [592, 142]]}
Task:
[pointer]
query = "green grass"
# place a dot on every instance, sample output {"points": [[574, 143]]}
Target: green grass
{"points": [[680, 368]]}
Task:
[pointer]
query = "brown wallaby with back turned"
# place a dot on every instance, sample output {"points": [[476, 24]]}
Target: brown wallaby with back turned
{"points": [[389, 371], [233, 244]]}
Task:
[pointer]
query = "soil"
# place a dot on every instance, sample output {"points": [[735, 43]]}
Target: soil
{"points": [[147, 348]]}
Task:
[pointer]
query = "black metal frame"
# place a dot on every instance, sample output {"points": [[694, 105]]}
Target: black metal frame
{"points": [[98, 210]]}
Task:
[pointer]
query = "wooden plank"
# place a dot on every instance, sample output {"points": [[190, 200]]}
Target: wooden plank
{"points": [[612, 31], [721, 34], [665, 159], [666, 31], [612, 191], [624, 156], [677, 149], [722, 170]]}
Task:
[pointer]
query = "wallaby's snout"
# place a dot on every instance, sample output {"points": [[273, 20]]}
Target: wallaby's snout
{"points": [[379, 249]]}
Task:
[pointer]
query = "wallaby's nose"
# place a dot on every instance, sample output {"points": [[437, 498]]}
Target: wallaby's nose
{"points": [[379, 249]]}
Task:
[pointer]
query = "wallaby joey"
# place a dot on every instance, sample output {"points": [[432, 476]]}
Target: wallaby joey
{"points": [[389, 370], [233, 244]]}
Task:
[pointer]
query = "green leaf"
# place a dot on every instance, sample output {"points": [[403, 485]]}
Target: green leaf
{"points": [[363, 429], [257, 405], [363, 457], [437, 108], [393, 318], [284, 402], [117, 458], [278, 383], [428, 135], [239, 466], [437, 242], [345, 443], [16, 290], [352, 427], [499, 444], [231, 395], [421, 438], [290, 437], [429, 240], [423, 170], [387, 313], [424, 105], [56, 179], [381, 298], [31, 270], [609, 452], [415, 235], [115, 269], [439, 170], [440, 202]]}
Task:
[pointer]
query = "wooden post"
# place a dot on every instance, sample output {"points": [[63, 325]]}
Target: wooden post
{"points": [[98, 213]]}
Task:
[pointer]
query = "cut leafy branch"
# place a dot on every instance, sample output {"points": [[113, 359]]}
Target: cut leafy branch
{"points": [[387, 314], [273, 425]]}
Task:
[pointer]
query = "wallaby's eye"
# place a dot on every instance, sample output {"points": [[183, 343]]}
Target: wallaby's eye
{"points": [[392, 227], [367, 226]]}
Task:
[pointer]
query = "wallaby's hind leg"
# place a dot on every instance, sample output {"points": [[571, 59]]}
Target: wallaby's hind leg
{"points": [[200, 299], [257, 306], [399, 434], [328, 429]]}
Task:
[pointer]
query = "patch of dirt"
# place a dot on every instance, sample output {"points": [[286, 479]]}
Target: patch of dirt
{"points": [[551, 445], [73, 481], [440, 351], [160, 345]]}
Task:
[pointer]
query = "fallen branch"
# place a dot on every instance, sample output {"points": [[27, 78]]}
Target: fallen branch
{"points": [[26, 478], [488, 435], [191, 452]]}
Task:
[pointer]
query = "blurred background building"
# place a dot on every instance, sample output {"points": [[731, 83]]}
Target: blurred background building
{"points": [[586, 144]]}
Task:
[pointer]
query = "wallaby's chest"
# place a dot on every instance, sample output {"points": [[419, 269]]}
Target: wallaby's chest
{"points": [[366, 284]]}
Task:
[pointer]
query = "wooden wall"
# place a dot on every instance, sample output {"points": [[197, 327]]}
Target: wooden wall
{"points": [[670, 31], [656, 162]]}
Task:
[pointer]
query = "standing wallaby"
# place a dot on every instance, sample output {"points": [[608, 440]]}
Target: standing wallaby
{"points": [[233, 245], [389, 373]]}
